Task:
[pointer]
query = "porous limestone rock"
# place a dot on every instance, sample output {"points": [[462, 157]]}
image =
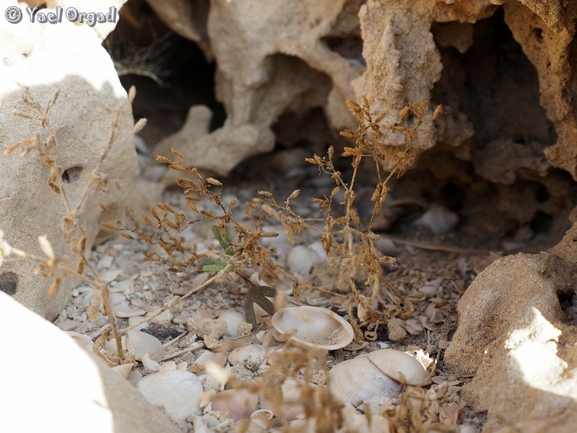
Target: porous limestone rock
{"points": [[50, 383], [69, 58], [514, 337], [269, 66]]}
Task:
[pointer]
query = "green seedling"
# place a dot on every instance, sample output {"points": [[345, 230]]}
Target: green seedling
{"points": [[256, 294]]}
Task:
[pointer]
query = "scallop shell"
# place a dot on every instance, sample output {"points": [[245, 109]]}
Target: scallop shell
{"points": [[314, 326], [358, 380], [400, 366]]}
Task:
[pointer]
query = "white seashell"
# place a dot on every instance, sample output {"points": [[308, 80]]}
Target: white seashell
{"points": [[168, 366], [317, 247], [178, 391], [400, 366], [253, 353], [261, 418], [208, 357], [439, 219], [301, 260], [149, 364], [143, 343], [124, 310], [138, 319], [433, 287], [358, 380], [238, 403], [314, 326], [233, 320]]}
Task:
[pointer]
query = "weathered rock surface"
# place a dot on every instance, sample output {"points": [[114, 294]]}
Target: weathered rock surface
{"points": [[45, 58], [514, 336], [51, 384]]}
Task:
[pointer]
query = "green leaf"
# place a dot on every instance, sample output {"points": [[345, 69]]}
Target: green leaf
{"points": [[223, 240], [258, 295], [212, 265]]}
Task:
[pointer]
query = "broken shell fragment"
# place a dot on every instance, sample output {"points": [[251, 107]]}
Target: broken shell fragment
{"points": [[252, 353], [358, 380], [314, 326], [178, 391], [400, 366]]}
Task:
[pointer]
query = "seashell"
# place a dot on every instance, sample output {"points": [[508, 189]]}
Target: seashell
{"points": [[253, 353], [141, 343], [233, 319], [124, 310], [358, 380], [439, 219], [178, 391], [301, 260], [207, 357], [238, 403], [314, 326], [149, 364], [400, 366], [261, 418]]}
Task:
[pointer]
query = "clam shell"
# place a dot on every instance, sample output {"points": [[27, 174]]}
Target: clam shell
{"points": [[400, 366], [238, 403], [357, 380], [314, 326]]}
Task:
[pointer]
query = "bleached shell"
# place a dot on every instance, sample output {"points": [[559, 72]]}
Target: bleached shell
{"points": [[238, 403], [145, 343], [178, 391], [439, 219], [400, 366], [301, 260], [357, 380], [141, 343], [233, 319], [261, 418], [314, 326], [254, 353]]}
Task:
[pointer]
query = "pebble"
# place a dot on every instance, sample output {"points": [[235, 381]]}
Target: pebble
{"points": [[124, 311], [179, 392], [124, 286]]}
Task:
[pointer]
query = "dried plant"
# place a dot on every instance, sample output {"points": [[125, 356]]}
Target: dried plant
{"points": [[54, 266]]}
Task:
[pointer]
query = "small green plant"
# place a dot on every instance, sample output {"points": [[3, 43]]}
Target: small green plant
{"points": [[348, 248]]}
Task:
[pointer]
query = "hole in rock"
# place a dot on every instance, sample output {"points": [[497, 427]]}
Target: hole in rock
{"points": [[541, 222], [8, 283], [71, 175], [170, 73], [496, 87], [538, 33], [350, 47]]}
